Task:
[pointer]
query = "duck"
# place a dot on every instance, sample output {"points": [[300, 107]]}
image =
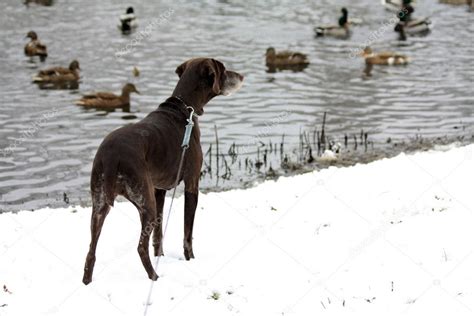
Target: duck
{"points": [[128, 21], [34, 46], [407, 24], [285, 59], [108, 100], [414, 27], [341, 30], [384, 58], [59, 74]]}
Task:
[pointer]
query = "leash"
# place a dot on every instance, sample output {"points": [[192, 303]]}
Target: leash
{"points": [[184, 146]]}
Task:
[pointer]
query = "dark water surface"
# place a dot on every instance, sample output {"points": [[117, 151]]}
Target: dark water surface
{"points": [[54, 141]]}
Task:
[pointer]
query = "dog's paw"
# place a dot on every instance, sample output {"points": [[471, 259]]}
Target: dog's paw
{"points": [[88, 269], [86, 280], [153, 276], [188, 254]]}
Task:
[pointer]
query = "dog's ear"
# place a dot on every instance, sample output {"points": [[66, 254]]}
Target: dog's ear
{"points": [[181, 68], [215, 69]]}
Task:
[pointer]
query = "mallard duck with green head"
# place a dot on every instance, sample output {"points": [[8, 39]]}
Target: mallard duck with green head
{"points": [[341, 30]]}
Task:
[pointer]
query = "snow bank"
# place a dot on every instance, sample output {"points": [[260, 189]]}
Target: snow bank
{"points": [[393, 237]]}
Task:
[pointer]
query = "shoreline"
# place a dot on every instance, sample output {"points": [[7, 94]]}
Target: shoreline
{"points": [[296, 165]]}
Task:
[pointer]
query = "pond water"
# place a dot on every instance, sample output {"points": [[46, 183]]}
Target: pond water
{"points": [[53, 141]]}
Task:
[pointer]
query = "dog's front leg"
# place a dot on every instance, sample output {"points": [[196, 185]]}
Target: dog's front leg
{"points": [[190, 204]]}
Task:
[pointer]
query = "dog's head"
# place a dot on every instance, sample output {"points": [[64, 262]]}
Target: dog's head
{"points": [[201, 79]]}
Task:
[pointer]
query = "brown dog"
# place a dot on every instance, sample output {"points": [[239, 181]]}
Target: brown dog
{"points": [[140, 161]]}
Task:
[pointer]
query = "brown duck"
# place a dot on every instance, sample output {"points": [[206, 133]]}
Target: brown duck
{"points": [[383, 58], [34, 47], [59, 74], [285, 58], [108, 99]]}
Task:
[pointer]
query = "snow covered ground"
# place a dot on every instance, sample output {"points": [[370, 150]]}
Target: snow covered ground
{"points": [[393, 237]]}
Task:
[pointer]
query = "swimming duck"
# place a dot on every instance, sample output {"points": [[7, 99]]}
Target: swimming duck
{"points": [[414, 27], [285, 60], [128, 21], [383, 58], [59, 74], [341, 30], [34, 47], [109, 100]]}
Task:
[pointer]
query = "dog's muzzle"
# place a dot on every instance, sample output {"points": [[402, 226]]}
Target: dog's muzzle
{"points": [[232, 83]]}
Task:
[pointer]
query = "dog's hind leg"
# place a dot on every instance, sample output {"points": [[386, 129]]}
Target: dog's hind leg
{"points": [[158, 231], [147, 217], [99, 211], [144, 199]]}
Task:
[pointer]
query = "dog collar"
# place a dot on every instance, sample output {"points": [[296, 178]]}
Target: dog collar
{"points": [[188, 107], [177, 105]]}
